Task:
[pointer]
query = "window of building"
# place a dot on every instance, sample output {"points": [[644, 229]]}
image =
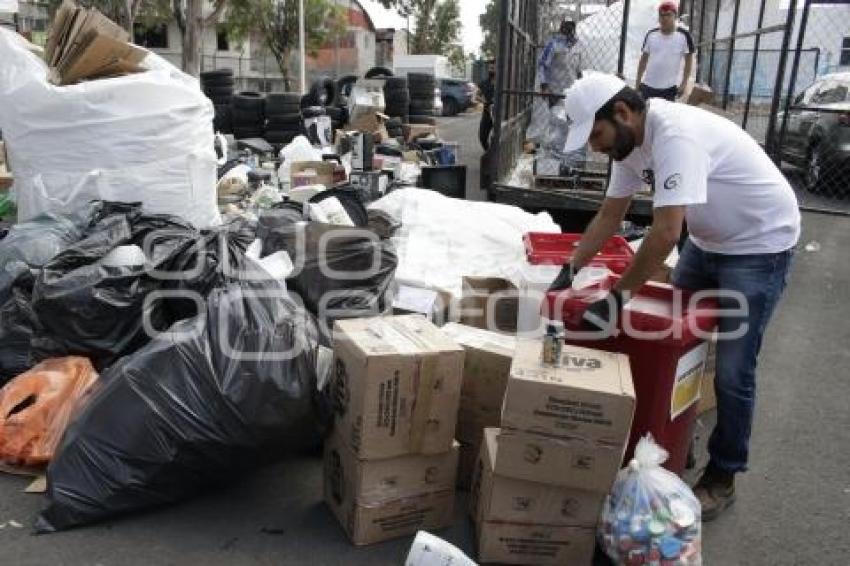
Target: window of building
{"points": [[845, 52], [155, 36], [222, 41]]}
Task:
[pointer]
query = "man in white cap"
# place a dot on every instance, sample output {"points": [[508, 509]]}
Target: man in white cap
{"points": [[744, 223]]}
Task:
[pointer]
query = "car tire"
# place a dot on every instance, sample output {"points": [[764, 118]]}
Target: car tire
{"points": [[450, 107], [421, 107], [378, 72], [217, 74], [422, 119], [395, 83], [283, 121], [283, 103], [247, 100], [814, 181], [322, 93], [217, 91]]}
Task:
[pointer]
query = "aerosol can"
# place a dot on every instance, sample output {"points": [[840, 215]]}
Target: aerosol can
{"points": [[553, 344]]}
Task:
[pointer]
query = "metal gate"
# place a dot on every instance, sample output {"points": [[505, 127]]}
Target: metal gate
{"points": [[778, 68]]}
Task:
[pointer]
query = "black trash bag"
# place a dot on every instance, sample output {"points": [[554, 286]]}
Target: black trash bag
{"points": [[86, 307], [185, 413], [350, 279], [274, 223], [207, 263], [102, 311], [17, 326], [30, 245], [27, 247]]}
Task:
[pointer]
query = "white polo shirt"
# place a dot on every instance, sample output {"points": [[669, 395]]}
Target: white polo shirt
{"points": [[738, 202], [666, 55]]}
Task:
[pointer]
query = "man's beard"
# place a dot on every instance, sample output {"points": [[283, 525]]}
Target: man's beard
{"points": [[624, 142]]}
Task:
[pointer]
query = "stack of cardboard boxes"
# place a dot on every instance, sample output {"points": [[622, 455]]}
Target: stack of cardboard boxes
{"points": [[391, 461], [541, 479], [486, 367]]}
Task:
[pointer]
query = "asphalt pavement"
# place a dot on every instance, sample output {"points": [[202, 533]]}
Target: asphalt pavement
{"points": [[793, 506]]}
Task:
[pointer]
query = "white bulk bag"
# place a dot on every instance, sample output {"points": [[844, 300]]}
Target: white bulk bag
{"points": [[144, 137]]}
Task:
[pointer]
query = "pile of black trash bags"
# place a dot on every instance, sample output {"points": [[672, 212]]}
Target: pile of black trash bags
{"points": [[209, 365]]}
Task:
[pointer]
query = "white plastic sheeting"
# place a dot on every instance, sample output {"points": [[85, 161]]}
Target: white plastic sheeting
{"points": [[145, 137], [444, 239]]}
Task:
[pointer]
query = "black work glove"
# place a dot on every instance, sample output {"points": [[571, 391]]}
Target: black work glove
{"points": [[599, 314], [564, 280]]}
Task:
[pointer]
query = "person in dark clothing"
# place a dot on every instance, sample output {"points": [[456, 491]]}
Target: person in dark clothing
{"points": [[488, 92]]}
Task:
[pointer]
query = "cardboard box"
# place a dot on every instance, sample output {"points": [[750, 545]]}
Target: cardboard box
{"points": [[370, 482], [466, 465], [324, 173], [415, 131], [701, 94], [590, 396], [6, 178], [370, 121], [486, 367], [368, 524], [83, 44], [512, 543], [433, 305], [396, 385], [568, 462], [707, 396], [509, 500], [489, 303]]}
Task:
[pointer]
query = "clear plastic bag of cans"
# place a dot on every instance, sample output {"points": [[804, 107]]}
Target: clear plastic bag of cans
{"points": [[651, 516]]}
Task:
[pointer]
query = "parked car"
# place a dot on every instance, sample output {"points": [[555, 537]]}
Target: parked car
{"points": [[817, 136], [457, 96]]}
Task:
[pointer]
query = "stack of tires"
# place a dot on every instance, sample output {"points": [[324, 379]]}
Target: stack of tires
{"points": [[283, 117], [422, 92], [397, 99], [249, 115], [218, 86]]}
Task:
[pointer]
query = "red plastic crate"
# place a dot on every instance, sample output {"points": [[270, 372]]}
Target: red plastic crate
{"points": [[542, 248]]}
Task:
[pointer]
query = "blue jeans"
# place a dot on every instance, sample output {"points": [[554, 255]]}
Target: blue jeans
{"points": [[760, 278]]}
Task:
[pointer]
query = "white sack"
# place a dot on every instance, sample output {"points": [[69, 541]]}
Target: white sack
{"points": [[143, 137], [443, 239]]}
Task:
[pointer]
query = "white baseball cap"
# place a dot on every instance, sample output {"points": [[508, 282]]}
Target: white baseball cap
{"points": [[583, 100]]}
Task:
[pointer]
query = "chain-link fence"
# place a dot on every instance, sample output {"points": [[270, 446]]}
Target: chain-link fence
{"points": [[813, 127], [781, 69], [778, 68], [534, 55]]}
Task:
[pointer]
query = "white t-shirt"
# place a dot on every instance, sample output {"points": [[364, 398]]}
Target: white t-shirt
{"points": [[737, 200], [666, 51]]}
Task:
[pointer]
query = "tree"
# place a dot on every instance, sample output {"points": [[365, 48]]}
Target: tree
{"points": [[122, 12], [275, 22], [438, 26], [189, 15], [489, 22]]}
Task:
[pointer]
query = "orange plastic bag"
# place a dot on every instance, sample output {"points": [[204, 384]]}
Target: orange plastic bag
{"points": [[36, 407]]}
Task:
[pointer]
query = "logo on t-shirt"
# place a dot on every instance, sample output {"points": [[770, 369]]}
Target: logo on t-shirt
{"points": [[673, 181]]}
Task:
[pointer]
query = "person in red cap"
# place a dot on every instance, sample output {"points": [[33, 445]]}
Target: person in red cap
{"points": [[659, 72]]}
